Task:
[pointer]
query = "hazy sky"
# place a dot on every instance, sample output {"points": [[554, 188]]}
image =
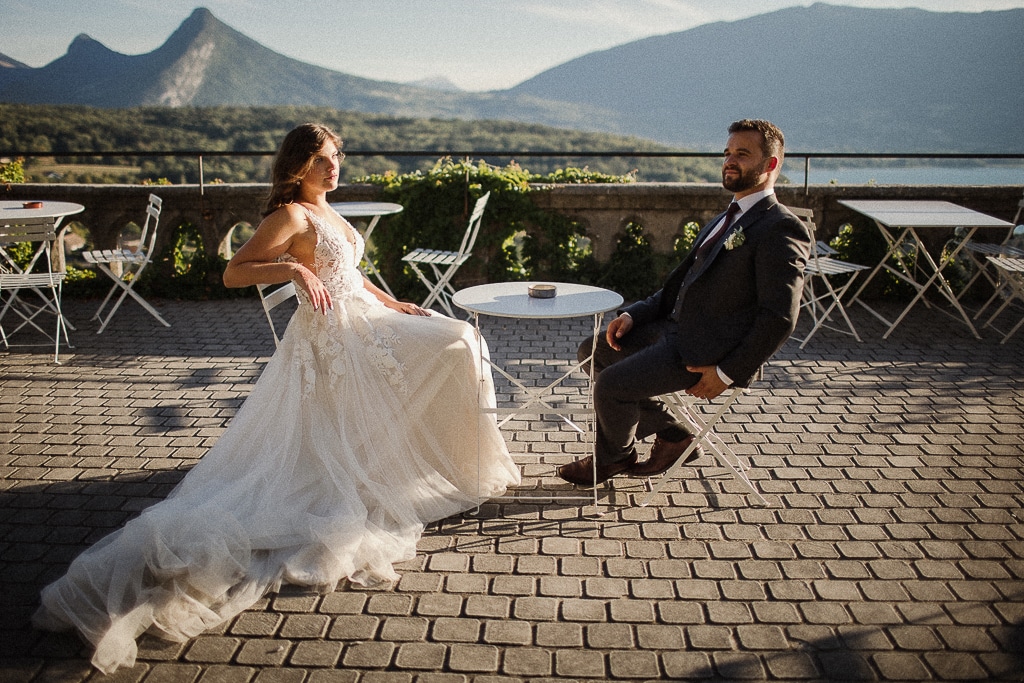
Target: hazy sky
{"points": [[477, 44]]}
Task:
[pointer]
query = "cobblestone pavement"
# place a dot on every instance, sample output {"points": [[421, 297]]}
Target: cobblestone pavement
{"points": [[893, 548]]}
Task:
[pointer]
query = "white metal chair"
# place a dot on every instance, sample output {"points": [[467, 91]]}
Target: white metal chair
{"points": [[444, 264], [1011, 285], [271, 299], [822, 299], [40, 276], [702, 427], [977, 254], [130, 265]]}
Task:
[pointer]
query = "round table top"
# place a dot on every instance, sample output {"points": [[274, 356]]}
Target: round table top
{"points": [[15, 209], [361, 209], [512, 300]]}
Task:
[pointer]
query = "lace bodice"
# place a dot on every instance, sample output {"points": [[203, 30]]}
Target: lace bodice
{"points": [[336, 259]]}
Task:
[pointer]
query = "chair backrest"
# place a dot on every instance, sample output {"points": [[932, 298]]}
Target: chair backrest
{"points": [[272, 299], [473, 228], [152, 214], [820, 248], [34, 230]]}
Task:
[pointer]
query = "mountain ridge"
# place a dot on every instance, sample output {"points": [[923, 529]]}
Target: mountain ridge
{"points": [[889, 69], [834, 78]]}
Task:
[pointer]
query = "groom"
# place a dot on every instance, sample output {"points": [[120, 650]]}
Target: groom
{"points": [[720, 315]]}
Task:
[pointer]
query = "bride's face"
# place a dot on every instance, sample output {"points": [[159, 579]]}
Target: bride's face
{"points": [[323, 173]]}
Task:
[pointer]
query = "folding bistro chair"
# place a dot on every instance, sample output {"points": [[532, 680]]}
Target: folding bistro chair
{"points": [[443, 264], [1011, 285], [130, 265], [271, 299], [822, 299], [39, 276], [702, 427], [977, 254]]}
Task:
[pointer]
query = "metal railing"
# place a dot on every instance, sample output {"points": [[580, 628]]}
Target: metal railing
{"points": [[199, 155]]}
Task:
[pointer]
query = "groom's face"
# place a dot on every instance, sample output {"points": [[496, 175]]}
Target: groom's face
{"points": [[745, 168]]}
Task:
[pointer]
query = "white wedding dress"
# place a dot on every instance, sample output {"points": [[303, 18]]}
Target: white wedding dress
{"points": [[364, 426]]}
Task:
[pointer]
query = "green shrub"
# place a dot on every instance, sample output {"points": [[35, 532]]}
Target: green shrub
{"points": [[12, 171]]}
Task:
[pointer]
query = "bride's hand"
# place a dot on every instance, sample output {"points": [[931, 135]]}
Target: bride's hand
{"points": [[318, 294], [407, 308]]}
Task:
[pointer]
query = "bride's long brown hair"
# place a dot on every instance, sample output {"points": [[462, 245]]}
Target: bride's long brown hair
{"points": [[294, 160]]}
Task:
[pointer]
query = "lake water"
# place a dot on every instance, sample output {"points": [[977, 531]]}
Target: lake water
{"points": [[907, 175]]}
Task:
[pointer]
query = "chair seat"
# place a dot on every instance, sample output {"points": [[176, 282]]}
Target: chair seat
{"points": [[434, 256], [831, 266], [30, 279], [113, 256]]}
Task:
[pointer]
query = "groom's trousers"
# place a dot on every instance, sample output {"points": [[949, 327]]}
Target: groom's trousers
{"points": [[627, 384]]}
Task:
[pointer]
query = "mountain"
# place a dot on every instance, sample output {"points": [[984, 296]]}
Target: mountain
{"points": [[9, 63], [207, 63], [436, 83], [834, 78]]}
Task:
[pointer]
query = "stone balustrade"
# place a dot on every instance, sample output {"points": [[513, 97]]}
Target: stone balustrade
{"points": [[604, 210]]}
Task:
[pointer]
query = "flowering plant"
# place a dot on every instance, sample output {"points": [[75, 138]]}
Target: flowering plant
{"points": [[736, 239]]}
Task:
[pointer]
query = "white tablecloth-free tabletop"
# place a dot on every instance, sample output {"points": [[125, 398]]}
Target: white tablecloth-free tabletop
{"points": [[512, 300], [14, 209]]}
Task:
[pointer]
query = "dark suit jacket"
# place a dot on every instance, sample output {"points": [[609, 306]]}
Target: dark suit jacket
{"points": [[742, 305]]}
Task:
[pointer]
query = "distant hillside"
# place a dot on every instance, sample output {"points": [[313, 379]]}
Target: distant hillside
{"points": [[834, 78]]}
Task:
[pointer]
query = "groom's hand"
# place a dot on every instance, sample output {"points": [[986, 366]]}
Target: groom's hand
{"points": [[617, 329], [710, 384]]}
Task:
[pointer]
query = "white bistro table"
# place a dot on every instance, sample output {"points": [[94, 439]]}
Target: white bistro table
{"points": [[512, 300], [373, 211], [901, 221], [15, 209]]}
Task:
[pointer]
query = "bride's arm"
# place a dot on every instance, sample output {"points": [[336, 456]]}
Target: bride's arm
{"points": [[255, 262], [391, 302]]}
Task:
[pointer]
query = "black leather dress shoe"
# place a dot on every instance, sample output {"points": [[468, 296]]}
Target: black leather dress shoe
{"points": [[581, 472], [663, 455]]}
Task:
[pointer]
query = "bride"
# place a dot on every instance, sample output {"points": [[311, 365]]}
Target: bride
{"points": [[364, 426]]}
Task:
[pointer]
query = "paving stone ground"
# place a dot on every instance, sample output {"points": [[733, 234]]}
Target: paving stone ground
{"points": [[893, 548]]}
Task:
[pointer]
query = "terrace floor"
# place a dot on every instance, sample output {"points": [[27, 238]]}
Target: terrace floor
{"points": [[893, 548]]}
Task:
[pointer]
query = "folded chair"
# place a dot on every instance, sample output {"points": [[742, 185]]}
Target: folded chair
{"points": [[978, 252], [130, 265], [39, 276], [702, 427], [443, 264], [272, 298], [822, 294]]}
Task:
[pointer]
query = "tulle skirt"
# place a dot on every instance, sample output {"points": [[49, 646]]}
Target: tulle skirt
{"points": [[364, 426]]}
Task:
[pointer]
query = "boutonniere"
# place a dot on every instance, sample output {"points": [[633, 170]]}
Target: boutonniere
{"points": [[736, 239]]}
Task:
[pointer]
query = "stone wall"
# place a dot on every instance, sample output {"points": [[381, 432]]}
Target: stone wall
{"points": [[661, 208]]}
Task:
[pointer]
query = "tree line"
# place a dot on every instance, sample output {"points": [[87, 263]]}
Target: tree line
{"points": [[64, 132]]}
